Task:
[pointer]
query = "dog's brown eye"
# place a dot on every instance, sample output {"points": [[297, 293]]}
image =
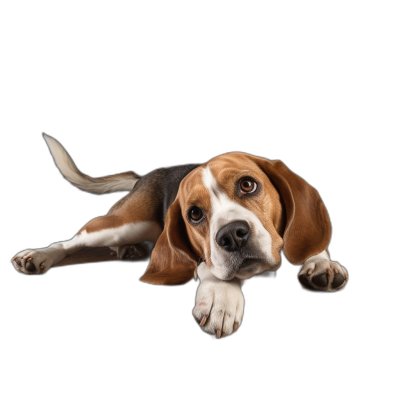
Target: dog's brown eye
{"points": [[195, 214], [247, 186]]}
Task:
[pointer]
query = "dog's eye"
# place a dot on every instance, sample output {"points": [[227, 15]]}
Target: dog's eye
{"points": [[247, 186], [195, 214]]}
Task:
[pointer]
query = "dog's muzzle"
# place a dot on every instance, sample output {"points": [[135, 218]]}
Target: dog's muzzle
{"points": [[234, 236]]}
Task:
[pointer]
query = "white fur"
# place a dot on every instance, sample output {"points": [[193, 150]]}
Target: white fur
{"points": [[126, 234], [320, 256], [222, 302], [93, 185], [224, 211]]}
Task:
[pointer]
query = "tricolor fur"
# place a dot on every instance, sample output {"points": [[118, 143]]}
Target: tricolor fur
{"points": [[225, 220]]}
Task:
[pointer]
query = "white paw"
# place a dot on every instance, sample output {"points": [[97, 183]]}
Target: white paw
{"points": [[32, 261], [323, 274], [219, 306]]}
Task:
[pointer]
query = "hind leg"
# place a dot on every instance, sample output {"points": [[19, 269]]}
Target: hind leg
{"points": [[106, 231], [130, 251]]}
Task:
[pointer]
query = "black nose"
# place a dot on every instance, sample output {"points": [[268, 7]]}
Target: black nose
{"points": [[234, 235]]}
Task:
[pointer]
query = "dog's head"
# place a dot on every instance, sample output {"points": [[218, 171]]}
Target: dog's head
{"points": [[235, 213]]}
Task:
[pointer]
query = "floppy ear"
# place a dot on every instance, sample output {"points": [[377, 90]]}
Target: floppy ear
{"points": [[308, 228], [172, 261]]}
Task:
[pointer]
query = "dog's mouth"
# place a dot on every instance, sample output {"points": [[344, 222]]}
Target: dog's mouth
{"points": [[245, 265], [253, 266], [248, 262], [242, 264]]}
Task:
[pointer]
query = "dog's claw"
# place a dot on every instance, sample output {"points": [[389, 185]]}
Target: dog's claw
{"points": [[218, 333], [203, 320], [235, 326]]}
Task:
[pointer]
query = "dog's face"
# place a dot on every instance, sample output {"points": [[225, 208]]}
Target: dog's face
{"points": [[236, 212], [233, 216]]}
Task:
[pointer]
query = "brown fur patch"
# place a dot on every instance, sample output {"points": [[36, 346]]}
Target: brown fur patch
{"points": [[137, 206], [173, 262], [193, 193], [100, 223], [181, 245], [308, 228]]}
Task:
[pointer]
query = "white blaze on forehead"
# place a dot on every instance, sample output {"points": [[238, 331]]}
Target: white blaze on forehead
{"points": [[216, 194], [223, 211]]}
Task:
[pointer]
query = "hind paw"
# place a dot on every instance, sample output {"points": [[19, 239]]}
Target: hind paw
{"points": [[32, 262], [130, 251]]}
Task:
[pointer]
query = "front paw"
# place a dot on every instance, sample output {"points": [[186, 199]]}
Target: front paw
{"points": [[323, 274], [32, 262], [219, 307]]}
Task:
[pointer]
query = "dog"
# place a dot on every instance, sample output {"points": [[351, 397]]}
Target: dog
{"points": [[223, 221]]}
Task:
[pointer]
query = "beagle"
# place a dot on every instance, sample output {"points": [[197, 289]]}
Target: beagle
{"points": [[222, 221]]}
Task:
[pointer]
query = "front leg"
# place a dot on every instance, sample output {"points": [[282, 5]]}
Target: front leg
{"points": [[219, 304], [320, 273], [106, 231]]}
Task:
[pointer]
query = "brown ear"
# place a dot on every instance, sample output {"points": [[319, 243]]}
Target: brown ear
{"points": [[172, 261], [308, 228]]}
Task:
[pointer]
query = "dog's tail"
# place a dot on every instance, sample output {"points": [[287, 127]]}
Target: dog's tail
{"points": [[105, 184]]}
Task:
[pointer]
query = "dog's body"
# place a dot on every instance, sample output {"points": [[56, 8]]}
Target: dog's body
{"points": [[227, 220]]}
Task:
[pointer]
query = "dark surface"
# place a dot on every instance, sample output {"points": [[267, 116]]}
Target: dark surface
{"points": [[115, 122]]}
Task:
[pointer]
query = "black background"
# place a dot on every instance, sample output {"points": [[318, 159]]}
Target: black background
{"points": [[116, 112]]}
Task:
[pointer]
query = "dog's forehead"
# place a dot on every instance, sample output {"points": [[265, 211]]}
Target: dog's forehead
{"points": [[218, 173], [192, 184], [233, 158], [231, 164]]}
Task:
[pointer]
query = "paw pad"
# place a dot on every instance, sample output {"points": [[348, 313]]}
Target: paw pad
{"points": [[30, 267], [338, 280], [304, 281], [324, 275], [321, 280]]}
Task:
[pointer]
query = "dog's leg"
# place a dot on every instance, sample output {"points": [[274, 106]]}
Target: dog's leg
{"points": [[320, 273], [219, 304], [113, 230]]}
